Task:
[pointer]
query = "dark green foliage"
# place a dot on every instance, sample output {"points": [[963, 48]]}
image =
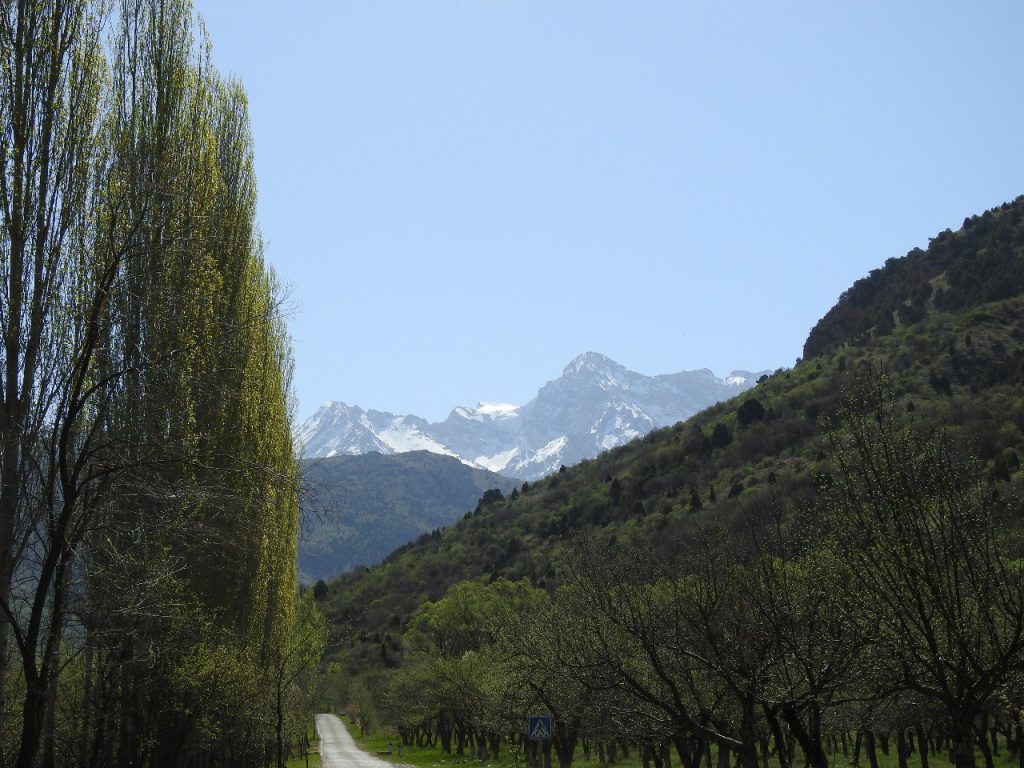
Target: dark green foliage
{"points": [[981, 263], [358, 509], [750, 411], [491, 496], [615, 491], [720, 436], [320, 591]]}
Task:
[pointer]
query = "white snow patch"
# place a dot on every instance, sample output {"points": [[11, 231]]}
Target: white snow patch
{"points": [[621, 438], [497, 409], [487, 412], [735, 381], [402, 439], [498, 461], [550, 449]]}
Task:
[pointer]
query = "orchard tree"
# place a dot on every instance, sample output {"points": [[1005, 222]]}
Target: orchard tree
{"points": [[937, 594]]}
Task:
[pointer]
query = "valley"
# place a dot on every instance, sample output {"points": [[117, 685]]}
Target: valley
{"points": [[810, 560], [815, 566]]}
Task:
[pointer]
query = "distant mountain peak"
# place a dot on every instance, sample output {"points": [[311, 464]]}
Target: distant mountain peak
{"points": [[595, 405], [593, 361]]}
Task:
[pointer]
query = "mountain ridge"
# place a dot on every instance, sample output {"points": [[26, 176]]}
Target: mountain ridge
{"points": [[596, 404]]}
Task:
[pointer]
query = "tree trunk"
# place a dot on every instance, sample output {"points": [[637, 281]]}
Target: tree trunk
{"points": [[746, 752], [962, 742], [869, 747], [780, 738], [690, 749], [481, 744], [922, 744], [532, 753], [901, 748], [444, 732], [494, 740], [279, 729], [983, 745], [564, 740], [50, 724], [32, 727], [808, 735]]}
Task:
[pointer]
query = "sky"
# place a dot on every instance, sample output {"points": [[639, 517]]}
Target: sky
{"points": [[464, 195]]}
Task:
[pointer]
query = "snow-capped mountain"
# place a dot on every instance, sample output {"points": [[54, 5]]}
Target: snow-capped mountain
{"points": [[596, 404]]}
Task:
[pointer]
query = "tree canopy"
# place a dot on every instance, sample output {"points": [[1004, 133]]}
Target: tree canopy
{"points": [[148, 486]]}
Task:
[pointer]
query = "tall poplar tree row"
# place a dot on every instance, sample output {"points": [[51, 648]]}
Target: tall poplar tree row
{"points": [[148, 493]]}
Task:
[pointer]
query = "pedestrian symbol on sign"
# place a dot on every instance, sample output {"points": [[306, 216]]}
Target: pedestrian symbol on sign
{"points": [[540, 727]]}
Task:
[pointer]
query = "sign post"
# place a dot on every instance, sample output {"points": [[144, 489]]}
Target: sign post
{"points": [[539, 730]]}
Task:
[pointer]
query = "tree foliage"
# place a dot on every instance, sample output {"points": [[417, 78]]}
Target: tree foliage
{"points": [[148, 489]]}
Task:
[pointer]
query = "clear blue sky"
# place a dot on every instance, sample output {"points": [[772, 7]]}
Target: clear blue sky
{"points": [[465, 195]]}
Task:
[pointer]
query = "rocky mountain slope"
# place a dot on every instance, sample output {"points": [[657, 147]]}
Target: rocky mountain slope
{"points": [[596, 404]]}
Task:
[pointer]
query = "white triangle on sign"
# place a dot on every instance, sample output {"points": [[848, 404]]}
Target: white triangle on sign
{"points": [[540, 731]]}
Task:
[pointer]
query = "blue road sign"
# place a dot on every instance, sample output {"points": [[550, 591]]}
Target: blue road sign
{"points": [[540, 727]]}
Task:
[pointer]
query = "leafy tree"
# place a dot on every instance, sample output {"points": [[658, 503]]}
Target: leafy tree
{"points": [[144, 373], [293, 666], [750, 411], [615, 491], [937, 594], [720, 436]]}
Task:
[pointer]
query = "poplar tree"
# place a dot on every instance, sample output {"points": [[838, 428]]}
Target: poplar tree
{"points": [[50, 80]]}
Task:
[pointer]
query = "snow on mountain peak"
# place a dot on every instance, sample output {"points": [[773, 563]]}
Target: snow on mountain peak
{"points": [[485, 411], [592, 361], [496, 409], [595, 405]]}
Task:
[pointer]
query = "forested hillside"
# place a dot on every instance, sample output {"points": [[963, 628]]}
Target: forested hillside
{"points": [[978, 264], [831, 554], [359, 509], [148, 492]]}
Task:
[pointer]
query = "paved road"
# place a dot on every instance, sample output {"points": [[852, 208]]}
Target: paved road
{"points": [[338, 750]]}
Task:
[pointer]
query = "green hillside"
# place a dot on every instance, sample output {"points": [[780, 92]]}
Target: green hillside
{"points": [[956, 363], [961, 270], [358, 509], [908, 402]]}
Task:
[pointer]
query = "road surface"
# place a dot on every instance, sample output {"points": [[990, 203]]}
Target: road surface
{"points": [[338, 750]]}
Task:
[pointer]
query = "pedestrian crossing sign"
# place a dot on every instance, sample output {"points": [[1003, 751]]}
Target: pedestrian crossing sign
{"points": [[540, 727]]}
